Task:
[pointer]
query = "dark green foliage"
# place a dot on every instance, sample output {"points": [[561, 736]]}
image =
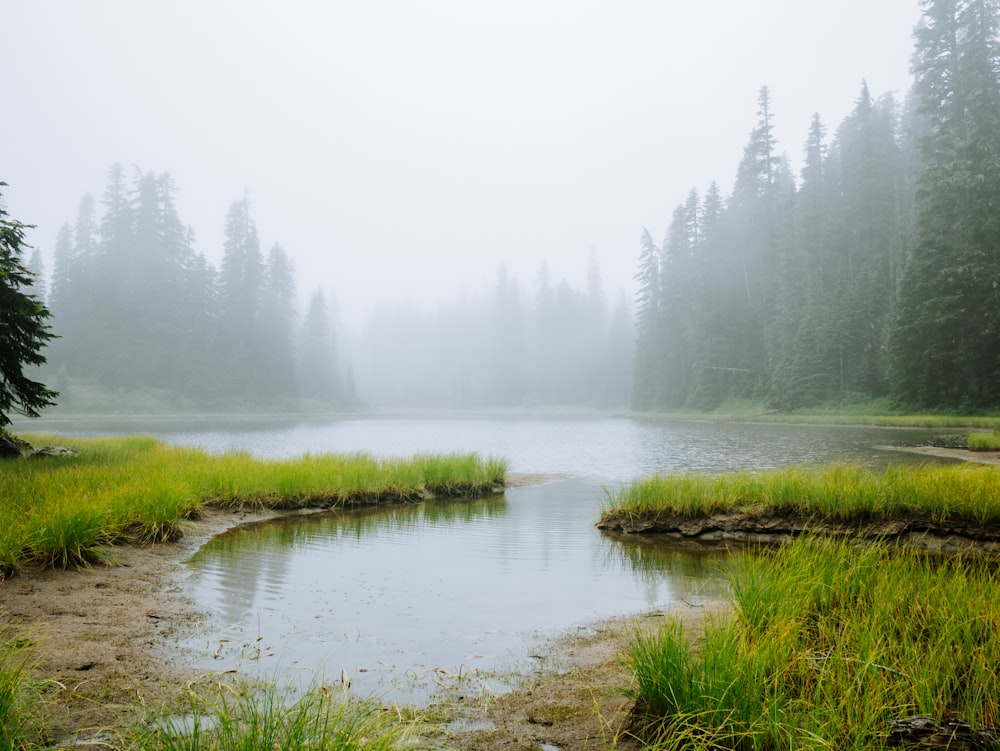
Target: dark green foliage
{"points": [[24, 329], [946, 348]]}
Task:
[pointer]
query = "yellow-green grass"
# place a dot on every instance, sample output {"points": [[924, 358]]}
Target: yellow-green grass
{"points": [[839, 492], [64, 511], [829, 644], [231, 717], [984, 441], [20, 725]]}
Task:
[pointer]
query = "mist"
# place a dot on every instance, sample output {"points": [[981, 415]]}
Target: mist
{"points": [[420, 168]]}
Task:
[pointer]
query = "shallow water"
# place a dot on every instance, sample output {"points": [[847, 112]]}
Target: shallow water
{"points": [[400, 601]]}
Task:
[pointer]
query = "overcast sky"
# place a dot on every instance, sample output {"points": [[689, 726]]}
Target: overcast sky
{"points": [[403, 150]]}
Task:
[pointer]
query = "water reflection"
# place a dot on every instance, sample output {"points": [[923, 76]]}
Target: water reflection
{"points": [[401, 597]]}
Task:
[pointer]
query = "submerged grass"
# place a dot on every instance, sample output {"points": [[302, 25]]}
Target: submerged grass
{"points": [[840, 492], [64, 511], [830, 643]]}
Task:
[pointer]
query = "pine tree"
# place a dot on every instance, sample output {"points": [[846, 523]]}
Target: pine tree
{"points": [[24, 330], [946, 347], [647, 313]]}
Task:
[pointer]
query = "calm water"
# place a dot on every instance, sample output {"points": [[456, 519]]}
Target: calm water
{"points": [[404, 599]]}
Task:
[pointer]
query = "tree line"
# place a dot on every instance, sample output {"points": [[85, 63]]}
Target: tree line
{"points": [[136, 308], [548, 345], [874, 274], [142, 318]]}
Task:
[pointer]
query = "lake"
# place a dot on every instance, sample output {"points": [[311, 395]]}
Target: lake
{"points": [[405, 600]]}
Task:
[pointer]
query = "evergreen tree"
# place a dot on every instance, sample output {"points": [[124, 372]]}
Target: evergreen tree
{"points": [[317, 360], [240, 288], [946, 348], [647, 312], [276, 378], [24, 330]]}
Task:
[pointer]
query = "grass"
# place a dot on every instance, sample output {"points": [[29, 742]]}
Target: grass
{"points": [[985, 441], [830, 643], [19, 695], [841, 492], [233, 717], [66, 511]]}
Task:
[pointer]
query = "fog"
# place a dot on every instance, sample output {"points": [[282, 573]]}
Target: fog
{"points": [[403, 150]]}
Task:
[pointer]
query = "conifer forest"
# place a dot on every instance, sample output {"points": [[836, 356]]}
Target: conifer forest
{"points": [[873, 273]]}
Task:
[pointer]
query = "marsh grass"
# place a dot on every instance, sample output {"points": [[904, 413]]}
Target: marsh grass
{"points": [[840, 492], [66, 511], [234, 717], [19, 695], [985, 441], [829, 644]]}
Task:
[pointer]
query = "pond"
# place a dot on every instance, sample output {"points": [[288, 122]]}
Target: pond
{"points": [[405, 600]]}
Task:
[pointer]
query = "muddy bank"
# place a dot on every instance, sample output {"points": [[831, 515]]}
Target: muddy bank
{"points": [[100, 636], [742, 526]]}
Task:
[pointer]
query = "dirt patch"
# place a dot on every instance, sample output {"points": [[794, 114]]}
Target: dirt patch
{"points": [[98, 634], [577, 699]]}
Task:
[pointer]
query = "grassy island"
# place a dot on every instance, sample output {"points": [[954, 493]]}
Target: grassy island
{"points": [[926, 498], [65, 511]]}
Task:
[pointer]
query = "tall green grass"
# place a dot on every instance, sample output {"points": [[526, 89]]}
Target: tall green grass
{"points": [[841, 492], [251, 718], [985, 441], [65, 511], [830, 643], [19, 706]]}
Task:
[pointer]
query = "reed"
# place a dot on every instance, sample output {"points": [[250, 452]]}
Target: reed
{"points": [[237, 717], [65, 511], [839, 492], [830, 643]]}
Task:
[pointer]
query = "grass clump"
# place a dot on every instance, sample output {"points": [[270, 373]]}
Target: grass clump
{"points": [[250, 717], [830, 643], [66, 511], [19, 696], [839, 492], [985, 441]]}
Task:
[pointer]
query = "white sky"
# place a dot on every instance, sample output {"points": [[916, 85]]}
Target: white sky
{"points": [[403, 150]]}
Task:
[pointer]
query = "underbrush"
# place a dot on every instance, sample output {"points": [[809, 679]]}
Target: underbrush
{"points": [[65, 511], [831, 643]]}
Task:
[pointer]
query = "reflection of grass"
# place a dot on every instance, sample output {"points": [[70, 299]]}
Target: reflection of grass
{"points": [[984, 441], [62, 511], [843, 493], [830, 643]]}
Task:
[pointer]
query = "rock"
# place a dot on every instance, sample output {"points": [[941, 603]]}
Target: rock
{"points": [[9, 449], [54, 451], [952, 735]]}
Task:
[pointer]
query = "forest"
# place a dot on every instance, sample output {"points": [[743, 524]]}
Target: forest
{"points": [[144, 321], [873, 274]]}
